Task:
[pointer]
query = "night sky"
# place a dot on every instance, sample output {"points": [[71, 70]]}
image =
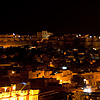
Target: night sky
{"points": [[56, 17]]}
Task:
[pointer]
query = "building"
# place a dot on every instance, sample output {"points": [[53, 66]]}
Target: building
{"points": [[92, 78], [87, 41], [16, 40], [13, 93], [43, 34], [92, 41], [64, 76]]}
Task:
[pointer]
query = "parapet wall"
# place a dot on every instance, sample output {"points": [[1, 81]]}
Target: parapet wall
{"points": [[7, 42]]}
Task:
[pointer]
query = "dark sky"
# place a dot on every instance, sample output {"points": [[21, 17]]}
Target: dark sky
{"points": [[56, 17]]}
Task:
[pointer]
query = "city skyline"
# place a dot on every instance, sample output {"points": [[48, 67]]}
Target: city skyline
{"points": [[49, 51]]}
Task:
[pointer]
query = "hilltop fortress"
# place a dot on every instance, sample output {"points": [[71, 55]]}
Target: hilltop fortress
{"points": [[16, 40], [19, 40]]}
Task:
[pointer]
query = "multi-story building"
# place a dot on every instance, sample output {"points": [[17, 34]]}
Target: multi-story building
{"points": [[92, 78], [64, 76], [43, 34], [17, 92]]}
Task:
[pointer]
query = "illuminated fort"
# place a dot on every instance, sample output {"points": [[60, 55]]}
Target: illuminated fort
{"points": [[16, 40], [21, 40], [87, 41], [92, 41]]}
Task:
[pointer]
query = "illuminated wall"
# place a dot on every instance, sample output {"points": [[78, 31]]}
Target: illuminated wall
{"points": [[16, 40], [20, 95], [92, 41], [64, 75], [36, 74], [92, 77]]}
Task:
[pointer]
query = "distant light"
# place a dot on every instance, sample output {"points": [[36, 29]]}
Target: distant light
{"points": [[4, 47], [90, 36], [64, 67], [94, 49], [19, 36], [82, 70], [14, 34], [87, 90], [79, 34], [33, 47], [76, 35], [74, 49], [84, 80], [24, 83], [82, 88], [37, 41], [58, 49], [13, 72], [99, 37], [55, 72]]}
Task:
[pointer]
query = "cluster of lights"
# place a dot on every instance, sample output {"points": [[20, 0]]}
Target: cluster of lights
{"points": [[78, 35], [33, 95], [94, 49], [87, 90]]}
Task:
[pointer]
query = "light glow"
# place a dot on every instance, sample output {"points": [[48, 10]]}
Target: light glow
{"points": [[5, 89], [14, 34], [90, 36], [94, 49], [64, 67], [14, 87], [87, 90], [84, 80], [60, 81], [13, 72]]}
